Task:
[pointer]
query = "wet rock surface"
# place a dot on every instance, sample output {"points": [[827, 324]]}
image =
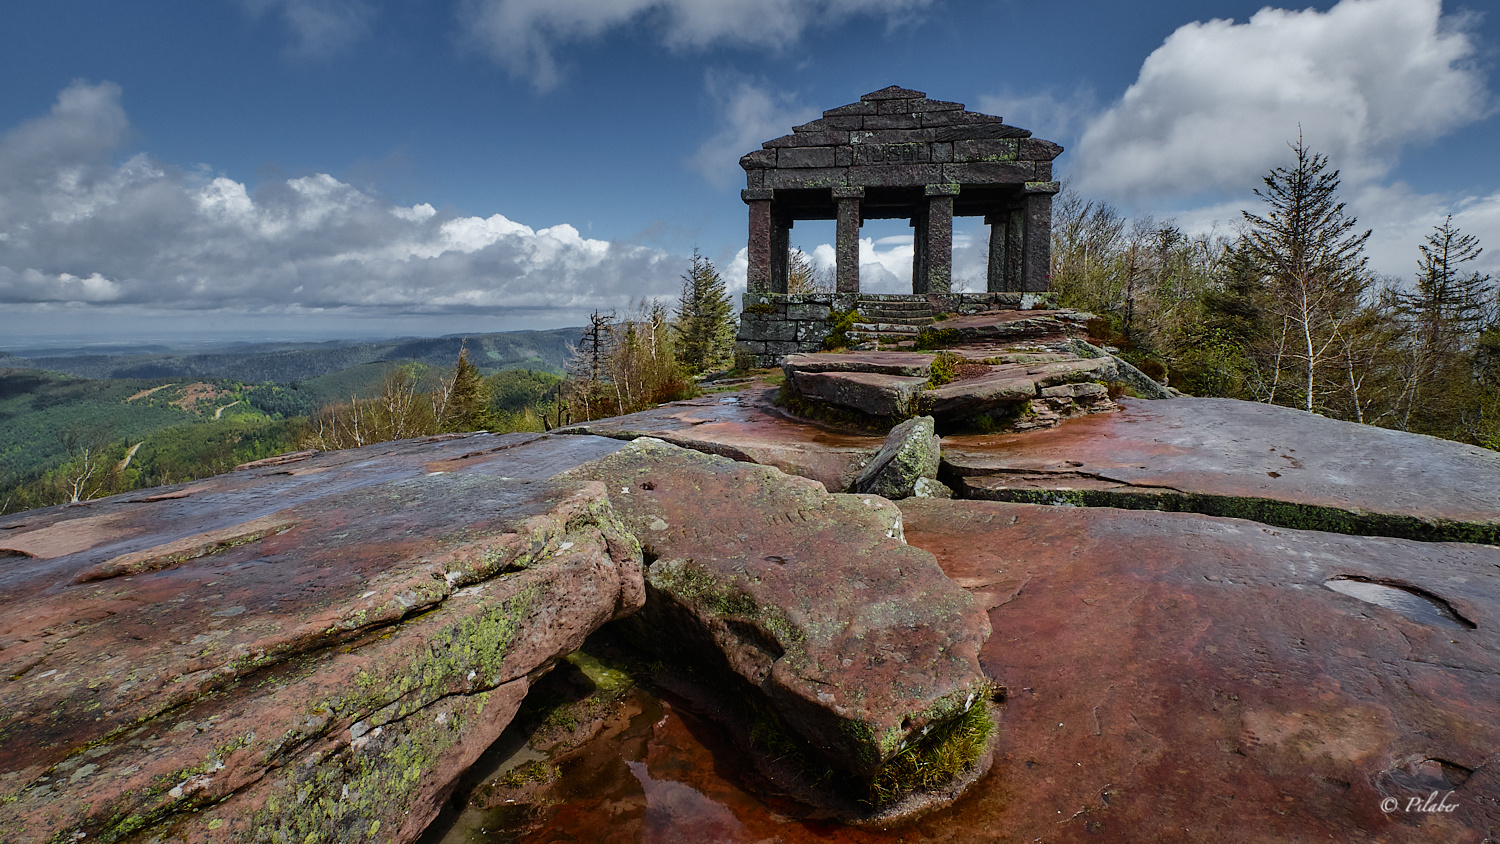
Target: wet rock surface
{"points": [[1173, 677], [1177, 677], [747, 426], [1234, 458], [308, 647], [812, 600]]}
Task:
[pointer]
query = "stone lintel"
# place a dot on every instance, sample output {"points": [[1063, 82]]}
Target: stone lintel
{"points": [[760, 195], [809, 177], [1042, 187], [988, 173]]}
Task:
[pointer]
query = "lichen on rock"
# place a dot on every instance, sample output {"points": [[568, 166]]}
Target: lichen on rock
{"points": [[810, 603]]}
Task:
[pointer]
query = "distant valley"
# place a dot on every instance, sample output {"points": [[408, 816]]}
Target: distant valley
{"points": [[284, 363]]}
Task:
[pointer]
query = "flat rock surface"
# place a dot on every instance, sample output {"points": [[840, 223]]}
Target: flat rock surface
{"points": [[746, 426], [885, 363], [856, 638], [1228, 449], [315, 646], [1176, 677]]}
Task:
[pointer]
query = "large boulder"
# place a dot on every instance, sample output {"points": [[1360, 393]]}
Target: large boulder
{"points": [[207, 663], [812, 601], [910, 454]]}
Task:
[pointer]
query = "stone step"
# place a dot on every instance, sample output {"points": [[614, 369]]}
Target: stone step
{"points": [[897, 317], [897, 307], [886, 328]]}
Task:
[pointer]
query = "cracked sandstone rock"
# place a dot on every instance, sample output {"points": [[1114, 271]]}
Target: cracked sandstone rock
{"points": [[324, 677], [814, 601]]}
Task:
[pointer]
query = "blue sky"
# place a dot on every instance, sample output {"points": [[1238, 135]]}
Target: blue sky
{"points": [[334, 168]]}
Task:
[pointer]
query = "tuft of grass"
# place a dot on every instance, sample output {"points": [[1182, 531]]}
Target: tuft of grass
{"points": [[944, 368], [936, 338], [935, 761]]}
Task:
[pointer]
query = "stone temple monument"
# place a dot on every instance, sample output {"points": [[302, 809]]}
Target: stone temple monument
{"points": [[897, 154], [894, 154]]}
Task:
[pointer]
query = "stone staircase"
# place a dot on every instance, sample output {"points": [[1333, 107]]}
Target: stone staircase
{"points": [[890, 320]]}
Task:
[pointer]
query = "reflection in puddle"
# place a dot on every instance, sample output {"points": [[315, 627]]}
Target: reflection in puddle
{"points": [[676, 812], [1411, 602], [653, 775]]}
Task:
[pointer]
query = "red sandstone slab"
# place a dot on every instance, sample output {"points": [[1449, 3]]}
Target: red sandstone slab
{"points": [[1176, 677], [368, 636], [747, 426], [885, 363], [888, 396], [100, 530], [1230, 449], [811, 599]]}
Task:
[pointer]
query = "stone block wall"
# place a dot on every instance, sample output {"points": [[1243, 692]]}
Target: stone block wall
{"points": [[773, 325]]}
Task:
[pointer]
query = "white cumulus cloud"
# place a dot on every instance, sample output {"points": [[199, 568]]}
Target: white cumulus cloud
{"points": [[319, 28], [749, 113], [77, 229], [524, 35], [1215, 105]]}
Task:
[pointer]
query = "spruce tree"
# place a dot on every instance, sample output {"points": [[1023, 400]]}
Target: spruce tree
{"points": [[1313, 264], [705, 319], [468, 404], [1448, 305]]}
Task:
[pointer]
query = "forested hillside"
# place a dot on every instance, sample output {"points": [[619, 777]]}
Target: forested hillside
{"points": [[66, 438], [1286, 310], [283, 363]]}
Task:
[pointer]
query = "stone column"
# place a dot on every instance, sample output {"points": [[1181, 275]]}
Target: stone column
{"points": [[919, 251], [781, 248], [994, 277], [938, 262], [846, 239], [758, 274], [1015, 240], [1036, 260]]}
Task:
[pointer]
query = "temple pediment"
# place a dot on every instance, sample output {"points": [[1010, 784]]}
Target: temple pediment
{"points": [[898, 137]]}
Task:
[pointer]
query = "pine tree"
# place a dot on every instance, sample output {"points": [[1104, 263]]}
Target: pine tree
{"points": [[705, 319], [1447, 313], [1448, 305], [468, 401], [803, 278], [1312, 260]]}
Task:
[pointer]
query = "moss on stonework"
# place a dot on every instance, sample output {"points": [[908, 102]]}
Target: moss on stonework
{"points": [[936, 338], [840, 323], [691, 584], [947, 752], [1286, 514]]}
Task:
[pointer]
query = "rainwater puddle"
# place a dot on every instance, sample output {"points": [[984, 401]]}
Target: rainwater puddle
{"points": [[655, 774], [1413, 603]]}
